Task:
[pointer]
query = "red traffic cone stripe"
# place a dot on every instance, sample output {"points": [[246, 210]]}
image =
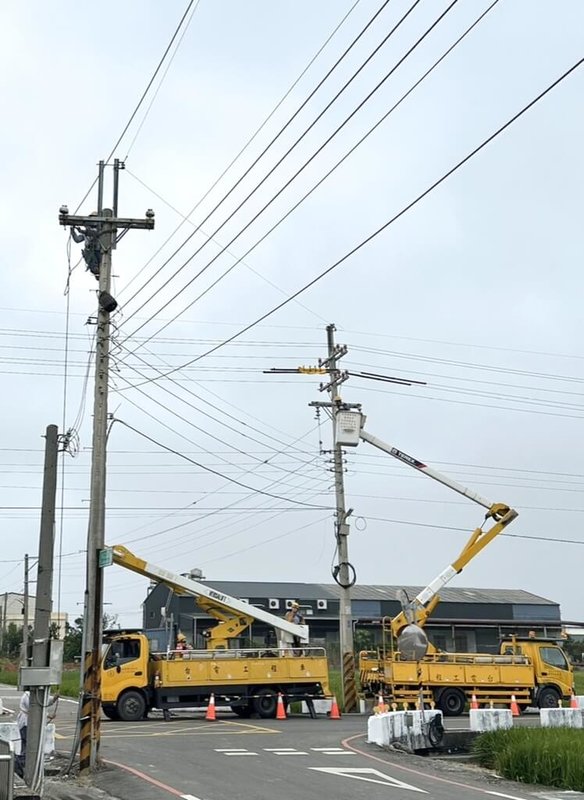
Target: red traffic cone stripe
{"points": [[210, 715], [335, 713], [280, 710], [473, 702], [514, 707]]}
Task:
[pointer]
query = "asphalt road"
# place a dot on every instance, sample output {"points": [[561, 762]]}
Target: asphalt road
{"points": [[296, 759]]}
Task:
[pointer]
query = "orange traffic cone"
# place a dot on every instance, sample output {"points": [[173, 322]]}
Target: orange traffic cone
{"points": [[514, 707], [210, 715], [473, 701], [335, 713], [574, 702], [280, 710]]}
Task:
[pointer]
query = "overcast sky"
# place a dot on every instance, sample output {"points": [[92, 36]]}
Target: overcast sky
{"points": [[477, 290]]}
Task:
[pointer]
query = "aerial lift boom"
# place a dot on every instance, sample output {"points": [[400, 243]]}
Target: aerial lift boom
{"points": [[233, 615], [349, 431]]}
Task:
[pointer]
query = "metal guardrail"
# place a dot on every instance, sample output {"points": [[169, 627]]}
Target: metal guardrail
{"points": [[6, 771], [262, 652]]}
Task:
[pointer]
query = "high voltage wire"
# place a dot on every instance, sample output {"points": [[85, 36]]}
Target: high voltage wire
{"points": [[193, 394], [383, 227], [207, 433], [243, 149], [208, 469], [264, 151], [338, 163], [144, 94], [300, 170]]}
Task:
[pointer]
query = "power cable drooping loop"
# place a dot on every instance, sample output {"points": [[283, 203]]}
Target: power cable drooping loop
{"points": [[350, 568]]}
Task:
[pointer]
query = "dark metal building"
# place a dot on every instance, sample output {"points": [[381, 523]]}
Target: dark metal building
{"points": [[466, 620]]}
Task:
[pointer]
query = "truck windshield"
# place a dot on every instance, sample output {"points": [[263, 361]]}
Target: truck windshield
{"points": [[121, 652], [554, 657]]}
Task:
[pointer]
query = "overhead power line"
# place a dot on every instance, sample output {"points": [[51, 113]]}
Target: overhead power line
{"points": [[186, 218], [319, 182], [214, 471], [269, 145], [144, 93], [298, 172], [382, 228]]}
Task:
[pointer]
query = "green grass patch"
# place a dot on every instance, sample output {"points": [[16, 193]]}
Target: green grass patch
{"points": [[579, 681], [548, 756], [69, 682]]}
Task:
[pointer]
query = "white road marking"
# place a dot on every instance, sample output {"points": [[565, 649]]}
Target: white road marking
{"points": [[333, 751], [508, 796], [189, 797], [280, 749], [369, 775], [240, 754], [230, 749]]}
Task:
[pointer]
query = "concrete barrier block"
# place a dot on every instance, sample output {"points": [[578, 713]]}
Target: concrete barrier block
{"points": [[580, 700], [9, 732], [561, 717], [490, 719], [49, 743], [320, 706], [409, 729]]}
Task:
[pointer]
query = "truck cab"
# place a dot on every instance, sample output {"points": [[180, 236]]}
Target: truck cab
{"points": [[554, 675], [124, 674]]}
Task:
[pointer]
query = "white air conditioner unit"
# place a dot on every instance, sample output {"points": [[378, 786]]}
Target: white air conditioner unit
{"points": [[322, 605], [289, 604], [273, 603]]}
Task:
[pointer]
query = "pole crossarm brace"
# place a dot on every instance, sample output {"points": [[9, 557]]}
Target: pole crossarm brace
{"points": [[72, 220]]}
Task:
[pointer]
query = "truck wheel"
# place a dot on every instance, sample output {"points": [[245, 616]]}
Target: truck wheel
{"points": [[265, 703], [548, 697], [131, 706], [110, 712], [243, 711], [452, 702]]}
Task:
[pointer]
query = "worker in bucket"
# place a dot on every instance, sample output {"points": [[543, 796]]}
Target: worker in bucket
{"points": [[182, 645], [293, 615]]}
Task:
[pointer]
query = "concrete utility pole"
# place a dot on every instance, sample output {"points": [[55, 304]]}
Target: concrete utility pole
{"points": [[3, 629], [43, 608], [100, 233], [24, 652], [343, 572]]}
